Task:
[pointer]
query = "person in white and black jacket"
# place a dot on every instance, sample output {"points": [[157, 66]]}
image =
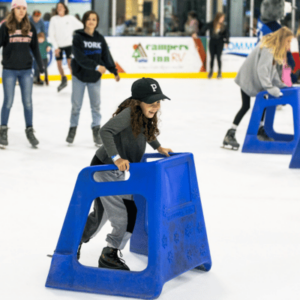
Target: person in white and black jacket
{"points": [[18, 38], [91, 59], [61, 29]]}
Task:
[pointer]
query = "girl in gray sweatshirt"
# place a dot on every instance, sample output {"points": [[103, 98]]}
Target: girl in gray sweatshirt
{"points": [[258, 73], [124, 138]]}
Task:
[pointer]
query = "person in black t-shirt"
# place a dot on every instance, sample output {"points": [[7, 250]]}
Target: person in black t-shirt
{"points": [[18, 39], [219, 36], [91, 59]]}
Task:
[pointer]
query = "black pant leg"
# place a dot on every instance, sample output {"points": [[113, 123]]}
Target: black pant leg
{"points": [[45, 62], [245, 107], [131, 214], [220, 46], [95, 217], [212, 53]]}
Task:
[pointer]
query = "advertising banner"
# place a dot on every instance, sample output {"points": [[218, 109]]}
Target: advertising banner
{"points": [[182, 57], [155, 54]]}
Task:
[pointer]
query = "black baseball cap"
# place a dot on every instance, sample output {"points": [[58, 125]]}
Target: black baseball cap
{"points": [[147, 90]]}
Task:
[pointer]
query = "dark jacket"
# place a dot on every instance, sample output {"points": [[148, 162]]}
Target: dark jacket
{"points": [[17, 49], [90, 52], [221, 35]]}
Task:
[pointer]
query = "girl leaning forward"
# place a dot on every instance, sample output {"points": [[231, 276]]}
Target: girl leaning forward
{"points": [[124, 141], [260, 73]]}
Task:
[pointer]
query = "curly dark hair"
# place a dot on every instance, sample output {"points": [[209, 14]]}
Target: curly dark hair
{"points": [[139, 120], [11, 24]]}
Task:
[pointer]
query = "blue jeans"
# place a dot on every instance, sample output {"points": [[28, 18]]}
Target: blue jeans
{"points": [[78, 88], [9, 78]]}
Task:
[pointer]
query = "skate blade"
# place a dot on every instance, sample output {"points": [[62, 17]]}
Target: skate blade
{"points": [[3, 147], [34, 147], [232, 148], [61, 88]]}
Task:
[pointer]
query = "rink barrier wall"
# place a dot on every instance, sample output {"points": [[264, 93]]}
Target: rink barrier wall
{"points": [[202, 75]]}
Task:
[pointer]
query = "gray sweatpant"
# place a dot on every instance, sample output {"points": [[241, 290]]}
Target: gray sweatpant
{"points": [[120, 210]]}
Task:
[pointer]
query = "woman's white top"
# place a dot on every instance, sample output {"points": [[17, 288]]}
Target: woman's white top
{"points": [[61, 30]]}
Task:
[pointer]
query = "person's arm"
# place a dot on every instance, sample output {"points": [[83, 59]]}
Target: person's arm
{"points": [[51, 33], [204, 28], [76, 24], [34, 45], [80, 57], [108, 60], [154, 144], [3, 34], [226, 36], [265, 64], [112, 128]]}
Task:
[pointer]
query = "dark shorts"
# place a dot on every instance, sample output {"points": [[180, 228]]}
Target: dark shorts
{"points": [[68, 52]]}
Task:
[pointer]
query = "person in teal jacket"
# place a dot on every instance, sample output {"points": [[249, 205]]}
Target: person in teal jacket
{"points": [[45, 48]]}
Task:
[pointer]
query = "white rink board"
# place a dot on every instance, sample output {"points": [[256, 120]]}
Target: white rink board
{"points": [[168, 55]]}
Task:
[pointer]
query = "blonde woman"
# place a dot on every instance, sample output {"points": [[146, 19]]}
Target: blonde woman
{"points": [[259, 73], [219, 36]]}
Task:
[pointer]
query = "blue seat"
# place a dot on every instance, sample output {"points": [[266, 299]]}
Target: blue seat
{"points": [[283, 143], [170, 229], [295, 162]]}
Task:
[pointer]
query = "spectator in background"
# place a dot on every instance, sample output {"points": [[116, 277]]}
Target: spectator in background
{"points": [[192, 24], [121, 26], [46, 19], [44, 47], [39, 26], [153, 25], [61, 29], [219, 36], [37, 21]]}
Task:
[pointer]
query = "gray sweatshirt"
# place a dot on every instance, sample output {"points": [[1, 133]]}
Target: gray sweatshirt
{"points": [[258, 73], [118, 138]]}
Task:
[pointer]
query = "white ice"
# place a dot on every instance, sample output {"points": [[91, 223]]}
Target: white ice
{"points": [[251, 202]]}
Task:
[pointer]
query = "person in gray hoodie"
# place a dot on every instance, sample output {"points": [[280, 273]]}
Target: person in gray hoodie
{"points": [[125, 136], [259, 73]]}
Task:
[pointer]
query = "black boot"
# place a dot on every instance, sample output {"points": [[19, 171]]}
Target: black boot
{"points": [[210, 74], [64, 83], [262, 136], [30, 136], [96, 135], [109, 259], [3, 135], [230, 139], [71, 135]]}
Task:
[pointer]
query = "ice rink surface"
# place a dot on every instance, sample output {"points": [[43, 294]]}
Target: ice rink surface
{"points": [[251, 202]]}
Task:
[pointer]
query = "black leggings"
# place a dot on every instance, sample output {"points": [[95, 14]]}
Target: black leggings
{"points": [[245, 107], [215, 49]]}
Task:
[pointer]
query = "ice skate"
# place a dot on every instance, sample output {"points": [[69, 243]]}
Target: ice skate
{"points": [[210, 74], [31, 137], [219, 75], [71, 135], [230, 140], [109, 259], [64, 83], [96, 136], [262, 136], [3, 137]]}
